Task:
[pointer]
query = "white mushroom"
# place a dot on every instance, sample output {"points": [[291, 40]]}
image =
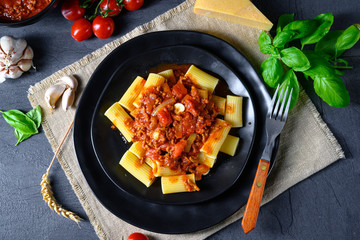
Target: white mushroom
{"points": [[15, 57]]}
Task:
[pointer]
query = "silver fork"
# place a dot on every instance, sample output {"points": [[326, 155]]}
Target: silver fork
{"points": [[275, 121]]}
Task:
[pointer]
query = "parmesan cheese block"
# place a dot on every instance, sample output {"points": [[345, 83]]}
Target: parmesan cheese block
{"points": [[237, 11]]}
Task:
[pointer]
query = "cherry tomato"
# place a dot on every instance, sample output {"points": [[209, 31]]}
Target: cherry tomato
{"points": [[110, 8], [137, 236], [103, 27], [81, 29], [133, 5], [71, 10]]}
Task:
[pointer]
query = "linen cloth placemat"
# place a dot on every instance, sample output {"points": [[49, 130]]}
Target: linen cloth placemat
{"points": [[297, 157]]}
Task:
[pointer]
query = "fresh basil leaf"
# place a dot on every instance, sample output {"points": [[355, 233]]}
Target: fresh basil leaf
{"points": [[302, 27], [289, 80], [283, 38], [319, 65], [20, 121], [271, 71], [21, 136], [326, 46], [35, 115], [347, 39], [284, 20], [295, 59], [326, 20], [332, 90], [265, 43]]}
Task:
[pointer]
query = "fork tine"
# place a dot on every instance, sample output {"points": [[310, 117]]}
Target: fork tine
{"points": [[276, 109], [271, 107], [282, 104], [287, 106]]}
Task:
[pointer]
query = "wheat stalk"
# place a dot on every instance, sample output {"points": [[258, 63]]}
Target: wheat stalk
{"points": [[47, 193]]}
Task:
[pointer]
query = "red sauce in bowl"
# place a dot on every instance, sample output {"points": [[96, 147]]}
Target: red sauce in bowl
{"points": [[18, 10]]}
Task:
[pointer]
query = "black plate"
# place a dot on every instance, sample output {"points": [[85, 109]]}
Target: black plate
{"points": [[160, 217], [110, 147]]}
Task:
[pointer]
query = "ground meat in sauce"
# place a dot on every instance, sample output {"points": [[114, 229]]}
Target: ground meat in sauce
{"points": [[17, 10], [164, 134]]}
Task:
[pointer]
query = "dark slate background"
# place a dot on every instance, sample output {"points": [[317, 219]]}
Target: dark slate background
{"points": [[324, 206]]}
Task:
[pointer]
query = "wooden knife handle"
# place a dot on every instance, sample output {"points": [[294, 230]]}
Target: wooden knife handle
{"points": [[253, 205]]}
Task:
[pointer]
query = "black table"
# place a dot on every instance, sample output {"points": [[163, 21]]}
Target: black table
{"points": [[324, 206]]}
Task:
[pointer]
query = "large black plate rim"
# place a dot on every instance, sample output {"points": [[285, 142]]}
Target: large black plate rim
{"points": [[226, 170], [164, 218]]}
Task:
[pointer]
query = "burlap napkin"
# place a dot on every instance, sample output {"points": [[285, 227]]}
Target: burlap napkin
{"points": [[297, 158]]}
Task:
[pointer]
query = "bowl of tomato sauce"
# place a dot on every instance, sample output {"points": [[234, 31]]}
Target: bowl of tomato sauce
{"points": [[19, 13]]}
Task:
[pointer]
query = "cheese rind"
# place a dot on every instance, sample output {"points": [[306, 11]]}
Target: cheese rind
{"points": [[242, 12]]}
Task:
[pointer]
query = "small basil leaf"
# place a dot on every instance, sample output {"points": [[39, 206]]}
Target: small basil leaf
{"points": [[35, 115], [283, 21], [302, 27], [295, 59], [326, 20], [290, 80], [265, 43], [326, 46], [332, 90], [271, 70], [283, 38], [347, 39], [20, 121], [21, 136]]}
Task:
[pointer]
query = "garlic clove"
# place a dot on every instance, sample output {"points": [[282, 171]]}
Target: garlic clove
{"points": [[28, 53], [25, 64], [70, 81], [68, 99], [53, 93]]}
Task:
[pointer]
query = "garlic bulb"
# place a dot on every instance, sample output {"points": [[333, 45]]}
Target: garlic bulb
{"points": [[15, 57]]}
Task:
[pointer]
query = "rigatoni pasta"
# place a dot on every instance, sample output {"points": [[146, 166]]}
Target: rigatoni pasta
{"points": [[137, 149], [233, 112], [119, 117], [201, 78], [168, 74], [153, 80], [140, 171], [230, 145], [216, 138], [132, 93], [220, 103], [180, 183]]}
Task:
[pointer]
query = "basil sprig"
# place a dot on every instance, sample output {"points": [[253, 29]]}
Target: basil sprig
{"points": [[25, 125], [321, 64]]}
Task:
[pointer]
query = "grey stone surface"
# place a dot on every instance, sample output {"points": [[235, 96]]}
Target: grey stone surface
{"points": [[324, 206]]}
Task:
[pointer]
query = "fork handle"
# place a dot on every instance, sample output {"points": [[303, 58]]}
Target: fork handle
{"points": [[253, 205]]}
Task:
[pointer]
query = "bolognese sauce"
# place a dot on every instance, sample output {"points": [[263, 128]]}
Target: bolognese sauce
{"points": [[17, 10], [164, 130]]}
